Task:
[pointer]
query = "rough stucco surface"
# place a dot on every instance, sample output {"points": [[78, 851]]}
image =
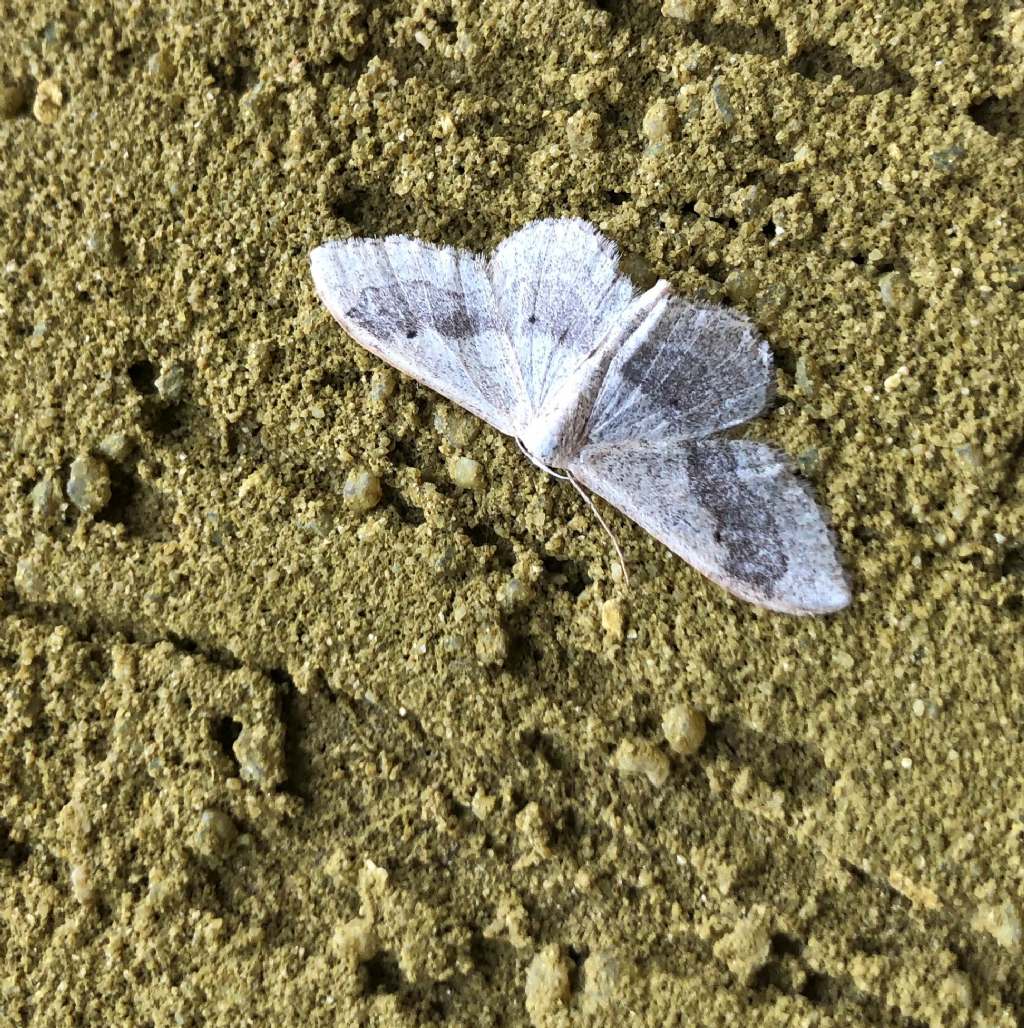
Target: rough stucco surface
{"points": [[276, 753]]}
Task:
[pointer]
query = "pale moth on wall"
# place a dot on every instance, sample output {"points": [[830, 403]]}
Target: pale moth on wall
{"points": [[629, 395]]}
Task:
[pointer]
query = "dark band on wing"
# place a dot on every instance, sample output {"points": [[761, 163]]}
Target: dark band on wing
{"points": [[744, 525], [389, 311]]}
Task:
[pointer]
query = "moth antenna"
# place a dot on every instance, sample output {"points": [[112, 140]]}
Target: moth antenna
{"points": [[589, 502], [537, 464], [604, 524]]}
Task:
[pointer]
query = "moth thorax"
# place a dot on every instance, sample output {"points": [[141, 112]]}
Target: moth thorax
{"points": [[555, 435], [544, 442]]}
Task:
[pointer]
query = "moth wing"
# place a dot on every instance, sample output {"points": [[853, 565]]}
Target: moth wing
{"points": [[733, 510], [428, 311], [696, 371], [558, 289]]}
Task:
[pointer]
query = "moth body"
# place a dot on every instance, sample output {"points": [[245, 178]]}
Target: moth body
{"points": [[557, 433]]}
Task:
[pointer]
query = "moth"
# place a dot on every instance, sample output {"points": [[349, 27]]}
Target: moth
{"points": [[628, 394]]}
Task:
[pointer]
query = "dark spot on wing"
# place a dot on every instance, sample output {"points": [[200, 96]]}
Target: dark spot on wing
{"points": [[565, 320], [403, 311], [744, 526]]}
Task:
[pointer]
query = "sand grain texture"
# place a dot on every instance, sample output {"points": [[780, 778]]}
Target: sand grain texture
{"points": [[321, 706]]}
